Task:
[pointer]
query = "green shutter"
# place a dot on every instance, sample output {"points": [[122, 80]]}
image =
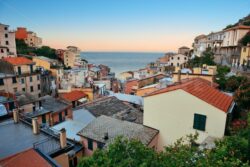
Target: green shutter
{"points": [[199, 122]]}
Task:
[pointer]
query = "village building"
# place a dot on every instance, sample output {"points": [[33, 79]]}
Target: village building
{"points": [[184, 50], [126, 75], [75, 97], [131, 86], [51, 145], [230, 50], [29, 37], [7, 42], [103, 130], [111, 106], [178, 60], [28, 158], [189, 106], [72, 58], [199, 45], [8, 103], [18, 74], [51, 111], [27, 102], [245, 56]]}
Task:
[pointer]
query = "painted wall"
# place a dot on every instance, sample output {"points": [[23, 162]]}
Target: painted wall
{"points": [[172, 114], [245, 55]]}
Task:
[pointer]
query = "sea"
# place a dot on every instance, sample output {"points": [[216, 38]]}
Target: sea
{"points": [[121, 61]]}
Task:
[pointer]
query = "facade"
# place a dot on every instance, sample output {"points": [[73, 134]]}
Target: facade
{"points": [[29, 37], [103, 130], [199, 45], [19, 75], [141, 73], [7, 103], [51, 111], [186, 108], [76, 97], [245, 56], [178, 60], [7, 42], [230, 49], [184, 50], [126, 75], [72, 58]]}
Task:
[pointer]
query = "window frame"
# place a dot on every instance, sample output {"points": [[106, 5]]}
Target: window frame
{"points": [[90, 144], [199, 122]]}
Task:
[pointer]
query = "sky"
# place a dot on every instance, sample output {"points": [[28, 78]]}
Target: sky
{"points": [[122, 25]]}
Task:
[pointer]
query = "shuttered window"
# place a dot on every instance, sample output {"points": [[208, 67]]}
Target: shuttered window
{"points": [[199, 122]]}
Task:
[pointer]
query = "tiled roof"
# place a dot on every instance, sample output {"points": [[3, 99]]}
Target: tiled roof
{"points": [[203, 90], [27, 158], [74, 95], [18, 60], [111, 106], [238, 27], [97, 128]]}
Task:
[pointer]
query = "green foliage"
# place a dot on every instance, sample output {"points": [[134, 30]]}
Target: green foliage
{"points": [[234, 82], [46, 51], [242, 96], [23, 48], [246, 39], [232, 151], [206, 58]]}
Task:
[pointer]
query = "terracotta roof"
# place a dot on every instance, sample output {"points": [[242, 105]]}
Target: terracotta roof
{"points": [[27, 158], [203, 90], [18, 60], [73, 95], [238, 27]]}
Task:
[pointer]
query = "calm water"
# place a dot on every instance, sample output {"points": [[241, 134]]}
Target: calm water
{"points": [[121, 61]]}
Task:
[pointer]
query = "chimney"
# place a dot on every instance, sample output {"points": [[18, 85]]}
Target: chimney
{"points": [[63, 140], [35, 126], [179, 76], [106, 136], [16, 115]]}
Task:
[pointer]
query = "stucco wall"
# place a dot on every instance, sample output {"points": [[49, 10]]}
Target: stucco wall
{"points": [[172, 114]]}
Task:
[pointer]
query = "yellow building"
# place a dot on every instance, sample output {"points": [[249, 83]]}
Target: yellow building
{"points": [[245, 55], [186, 108]]}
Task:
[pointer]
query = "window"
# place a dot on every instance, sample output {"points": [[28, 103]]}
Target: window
{"points": [[31, 89], [38, 77], [22, 80], [19, 70], [6, 35], [178, 64], [23, 89], [2, 51], [8, 50], [172, 64], [178, 58], [14, 80], [1, 81], [7, 42], [15, 89], [38, 86], [5, 28], [185, 58], [199, 122], [244, 49], [31, 78], [66, 112], [172, 58], [90, 144], [31, 68], [100, 145]]}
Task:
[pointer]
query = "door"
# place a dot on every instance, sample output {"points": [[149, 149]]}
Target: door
{"points": [[60, 117], [44, 119], [19, 70]]}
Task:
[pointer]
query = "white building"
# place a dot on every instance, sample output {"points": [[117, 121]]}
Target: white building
{"points": [[199, 45], [72, 58], [74, 78], [186, 108], [178, 60], [7, 42]]}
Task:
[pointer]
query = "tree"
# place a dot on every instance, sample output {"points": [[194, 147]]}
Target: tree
{"points": [[231, 151], [246, 39], [46, 51], [206, 58], [242, 96]]}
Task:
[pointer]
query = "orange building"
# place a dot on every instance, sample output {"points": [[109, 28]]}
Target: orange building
{"points": [[21, 33]]}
